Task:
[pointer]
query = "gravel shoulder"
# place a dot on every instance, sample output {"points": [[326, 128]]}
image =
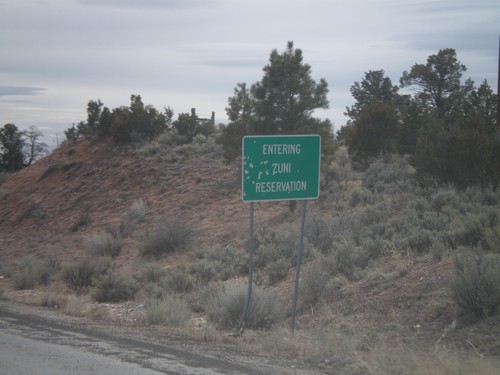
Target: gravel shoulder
{"points": [[149, 347]]}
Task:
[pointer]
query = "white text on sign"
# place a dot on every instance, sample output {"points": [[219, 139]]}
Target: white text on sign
{"points": [[281, 149]]}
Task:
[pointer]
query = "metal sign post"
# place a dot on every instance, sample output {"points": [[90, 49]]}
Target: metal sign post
{"points": [[244, 315], [277, 168], [299, 261]]}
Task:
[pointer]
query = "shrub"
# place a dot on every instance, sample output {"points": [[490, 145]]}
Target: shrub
{"points": [[476, 283], [31, 273], [313, 285], [81, 273], [134, 216], [344, 260], [153, 274], [204, 270], [113, 287], [420, 240], [25, 277], [104, 244], [444, 197], [278, 270], [177, 280], [389, 173], [467, 231], [218, 263], [226, 308], [169, 311], [167, 238], [272, 245], [319, 233]]}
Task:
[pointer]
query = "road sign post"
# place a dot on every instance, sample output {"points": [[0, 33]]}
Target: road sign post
{"points": [[277, 168]]}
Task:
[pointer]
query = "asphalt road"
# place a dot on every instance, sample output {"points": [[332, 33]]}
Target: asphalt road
{"points": [[34, 345]]}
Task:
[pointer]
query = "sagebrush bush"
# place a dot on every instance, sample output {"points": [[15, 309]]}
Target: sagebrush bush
{"points": [[170, 310], [226, 308], [177, 281], [132, 217], [444, 197], [272, 245], [104, 244], [167, 238], [205, 270], [217, 263], [278, 270], [346, 259], [420, 240], [389, 173], [113, 287], [313, 285], [81, 273], [476, 283], [33, 273], [152, 273], [466, 231], [26, 277], [318, 233]]}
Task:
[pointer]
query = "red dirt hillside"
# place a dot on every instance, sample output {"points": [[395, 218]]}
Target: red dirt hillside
{"points": [[85, 188]]}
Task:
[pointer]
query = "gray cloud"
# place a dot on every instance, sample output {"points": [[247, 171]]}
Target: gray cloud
{"points": [[20, 90], [148, 4]]}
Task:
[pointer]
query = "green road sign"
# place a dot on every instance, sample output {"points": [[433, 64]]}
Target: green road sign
{"points": [[282, 167]]}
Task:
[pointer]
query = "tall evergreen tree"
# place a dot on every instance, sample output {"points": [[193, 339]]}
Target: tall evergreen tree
{"points": [[283, 102], [439, 81]]}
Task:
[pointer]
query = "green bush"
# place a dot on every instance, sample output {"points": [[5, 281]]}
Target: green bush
{"points": [[169, 311], [476, 283], [226, 308], [167, 238], [104, 244], [113, 287], [80, 274]]}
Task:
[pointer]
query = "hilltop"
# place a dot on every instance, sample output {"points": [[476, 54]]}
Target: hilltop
{"points": [[387, 300]]}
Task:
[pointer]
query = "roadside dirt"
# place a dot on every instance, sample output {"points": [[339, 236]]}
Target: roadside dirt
{"points": [[132, 342]]}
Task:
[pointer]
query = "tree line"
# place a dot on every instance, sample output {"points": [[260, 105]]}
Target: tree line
{"points": [[447, 126]]}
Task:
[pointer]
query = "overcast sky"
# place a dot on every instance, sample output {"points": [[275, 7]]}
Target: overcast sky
{"points": [[56, 55]]}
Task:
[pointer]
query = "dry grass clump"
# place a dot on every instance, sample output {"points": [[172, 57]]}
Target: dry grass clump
{"points": [[169, 310], [226, 308]]}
